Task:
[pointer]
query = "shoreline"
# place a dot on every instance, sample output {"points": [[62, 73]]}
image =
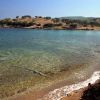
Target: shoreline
{"points": [[57, 91], [46, 90], [40, 94], [79, 94], [84, 29], [60, 93]]}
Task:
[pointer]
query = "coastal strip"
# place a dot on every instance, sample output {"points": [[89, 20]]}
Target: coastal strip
{"points": [[59, 93]]}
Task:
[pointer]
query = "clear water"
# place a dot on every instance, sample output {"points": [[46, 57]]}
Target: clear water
{"points": [[45, 51]]}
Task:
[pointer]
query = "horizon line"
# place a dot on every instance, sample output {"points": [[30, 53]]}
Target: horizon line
{"points": [[52, 17]]}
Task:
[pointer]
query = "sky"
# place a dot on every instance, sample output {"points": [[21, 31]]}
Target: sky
{"points": [[53, 8]]}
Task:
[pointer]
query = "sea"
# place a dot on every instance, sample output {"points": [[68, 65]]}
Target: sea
{"points": [[51, 56]]}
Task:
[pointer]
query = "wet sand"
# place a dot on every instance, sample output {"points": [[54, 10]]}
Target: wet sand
{"points": [[37, 94], [43, 93], [40, 94], [76, 95]]}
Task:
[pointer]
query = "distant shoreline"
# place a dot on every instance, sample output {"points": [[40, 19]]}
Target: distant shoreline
{"points": [[87, 29], [48, 23]]}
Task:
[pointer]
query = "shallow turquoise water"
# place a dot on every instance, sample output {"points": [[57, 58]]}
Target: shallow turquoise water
{"points": [[27, 56], [45, 50]]}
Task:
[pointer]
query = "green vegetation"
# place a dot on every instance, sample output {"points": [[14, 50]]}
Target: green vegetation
{"points": [[47, 22]]}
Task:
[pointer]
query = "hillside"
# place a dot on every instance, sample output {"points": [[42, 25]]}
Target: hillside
{"points": [[39, 22]]}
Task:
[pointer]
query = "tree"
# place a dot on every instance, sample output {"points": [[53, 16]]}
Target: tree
{"points": [[26, 16], [17, 17], [47, 18], [56, 20], [49, 25], [73, 26]]}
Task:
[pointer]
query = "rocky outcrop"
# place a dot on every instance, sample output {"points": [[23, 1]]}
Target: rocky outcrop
{"points": [[92, 92]]}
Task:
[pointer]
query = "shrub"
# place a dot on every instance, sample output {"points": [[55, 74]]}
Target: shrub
{"points": [[48, 25]]}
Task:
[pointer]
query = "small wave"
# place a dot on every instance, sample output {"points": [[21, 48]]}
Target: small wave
{"points": [[57, 94]]}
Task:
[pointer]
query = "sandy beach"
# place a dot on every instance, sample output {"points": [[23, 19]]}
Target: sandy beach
{"points": [[81, 93], [75, 95], [71, 92]]}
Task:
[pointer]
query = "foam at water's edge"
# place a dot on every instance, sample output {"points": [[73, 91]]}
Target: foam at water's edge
{"points": [[57, 94]]}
